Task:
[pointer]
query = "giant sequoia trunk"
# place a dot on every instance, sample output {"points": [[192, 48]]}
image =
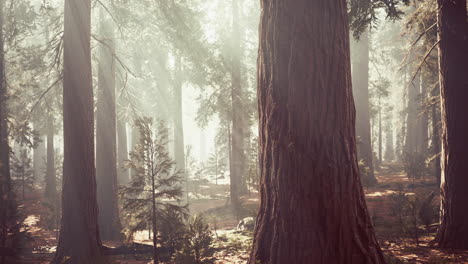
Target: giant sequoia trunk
{"points": [[106, 137], [312, 202], [79, 232], [453, 57], [361, 97], [237, 151]]}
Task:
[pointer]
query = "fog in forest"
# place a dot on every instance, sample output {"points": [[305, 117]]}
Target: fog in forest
{"points": [[209, 131]]}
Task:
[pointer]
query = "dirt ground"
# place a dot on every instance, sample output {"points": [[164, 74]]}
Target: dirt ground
{"points": [[398, 245]]}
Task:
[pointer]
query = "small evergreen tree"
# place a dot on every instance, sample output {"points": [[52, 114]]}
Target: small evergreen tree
{"points": [[23, 171], [198, 243], [156, 187]]}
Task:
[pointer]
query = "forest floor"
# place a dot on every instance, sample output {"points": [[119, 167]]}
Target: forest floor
{"points": [[393, 203]]}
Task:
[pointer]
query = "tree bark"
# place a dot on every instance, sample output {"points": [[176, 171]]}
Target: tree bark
{"points": [[6, 199], [453, 57], [179, 145], [237, 140], [122, 152], [106, 137], [361, 98], [39, 153], [312, 202], [79, 233], [413, 122], [51, 177]]}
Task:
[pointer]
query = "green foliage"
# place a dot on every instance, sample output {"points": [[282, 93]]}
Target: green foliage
{"points": [[411, 210], [155, 174], [365, 14], [22, 172], [198, 243]]}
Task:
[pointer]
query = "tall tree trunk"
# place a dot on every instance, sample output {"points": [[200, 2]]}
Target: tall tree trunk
{"points": [[436, 139], [39, 153], [453, 57], [106, 137], [423, 116], [312, 202], [380, 131], [361, 92], [413, 122], [79, 232], [51, 177], [236, 111], [179, 145], [122, 152], [6, 199]]}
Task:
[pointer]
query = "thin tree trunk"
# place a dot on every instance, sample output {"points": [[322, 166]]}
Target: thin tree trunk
{"points": [[453, 57], [106, 136], [122, 152], [380, 131], [39, 153], [436, 139], [79, 232], [312, 202], [51, 177]]}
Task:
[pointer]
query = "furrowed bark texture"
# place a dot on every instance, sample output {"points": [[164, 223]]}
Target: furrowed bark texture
{"points": [[453, 58], [312, 203], [106, 138], [79, 232], [361, 96]]}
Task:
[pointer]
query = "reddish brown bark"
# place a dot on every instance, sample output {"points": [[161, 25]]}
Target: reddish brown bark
{"points": [[79, 233], [453, 57], [312, 203]]}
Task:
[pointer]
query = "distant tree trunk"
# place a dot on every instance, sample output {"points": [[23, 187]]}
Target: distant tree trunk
{"points": [[153, 218], [389, 148], [312, 202], [5, 177], [413, 122], [135, 140], [237, 120], [51, 177], [423, 116], [39, 153], [436, 139], [106, 137], [453, 57], [361, 92], [79, 232], [179, 146], [380, 131], [122, 152]]}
